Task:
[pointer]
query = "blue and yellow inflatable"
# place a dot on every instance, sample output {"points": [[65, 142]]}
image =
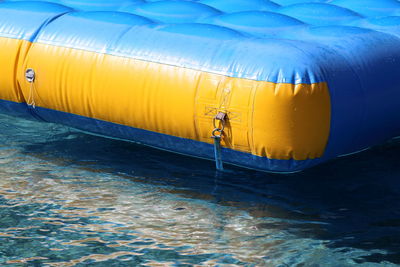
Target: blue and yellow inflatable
{"points": [[301, 83]]}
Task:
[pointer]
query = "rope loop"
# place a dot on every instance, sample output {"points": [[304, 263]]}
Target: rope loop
{"points": [[217, 135]]}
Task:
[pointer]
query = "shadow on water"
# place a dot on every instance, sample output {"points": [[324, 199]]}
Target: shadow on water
{"points": [[355, 200], [351, 202]]}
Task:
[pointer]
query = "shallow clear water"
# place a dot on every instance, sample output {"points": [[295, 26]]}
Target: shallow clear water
{"points": [[71, 199]]}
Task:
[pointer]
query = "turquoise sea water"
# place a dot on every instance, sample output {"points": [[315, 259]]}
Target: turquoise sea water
{"points": [[71, 199]]}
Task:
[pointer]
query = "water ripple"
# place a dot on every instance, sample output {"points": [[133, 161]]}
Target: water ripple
{"points": [[118, 204]]}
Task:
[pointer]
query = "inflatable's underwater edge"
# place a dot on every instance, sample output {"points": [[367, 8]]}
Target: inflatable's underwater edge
{"points": [[292, 102]]}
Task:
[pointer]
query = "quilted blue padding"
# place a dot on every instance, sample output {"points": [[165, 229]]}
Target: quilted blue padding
{"points": [[23, 20]]}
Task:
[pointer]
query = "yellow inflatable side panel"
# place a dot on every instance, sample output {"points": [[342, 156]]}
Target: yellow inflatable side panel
{"points": [[10, 53], [292, 121], [293, 118]]}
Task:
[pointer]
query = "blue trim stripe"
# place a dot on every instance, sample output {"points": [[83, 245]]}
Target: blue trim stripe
{"points": [[160, 141]]}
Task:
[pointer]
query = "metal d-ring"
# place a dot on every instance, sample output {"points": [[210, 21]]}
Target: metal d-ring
{"points": [[217, 130], [220, 118]]}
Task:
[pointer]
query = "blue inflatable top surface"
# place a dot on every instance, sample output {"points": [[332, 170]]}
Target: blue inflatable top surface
{"points": [[288, 41]]}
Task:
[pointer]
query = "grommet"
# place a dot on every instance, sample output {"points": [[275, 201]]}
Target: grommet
{"points": [[30, 75]]}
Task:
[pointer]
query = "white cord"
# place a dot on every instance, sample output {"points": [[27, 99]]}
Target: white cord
{"points": [[31, 99]]}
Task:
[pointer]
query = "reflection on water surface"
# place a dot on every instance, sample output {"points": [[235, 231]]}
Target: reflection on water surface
{"points": [[71, 199]]}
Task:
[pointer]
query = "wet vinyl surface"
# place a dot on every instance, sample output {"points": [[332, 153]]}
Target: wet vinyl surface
{"points": [[72, 199]]}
